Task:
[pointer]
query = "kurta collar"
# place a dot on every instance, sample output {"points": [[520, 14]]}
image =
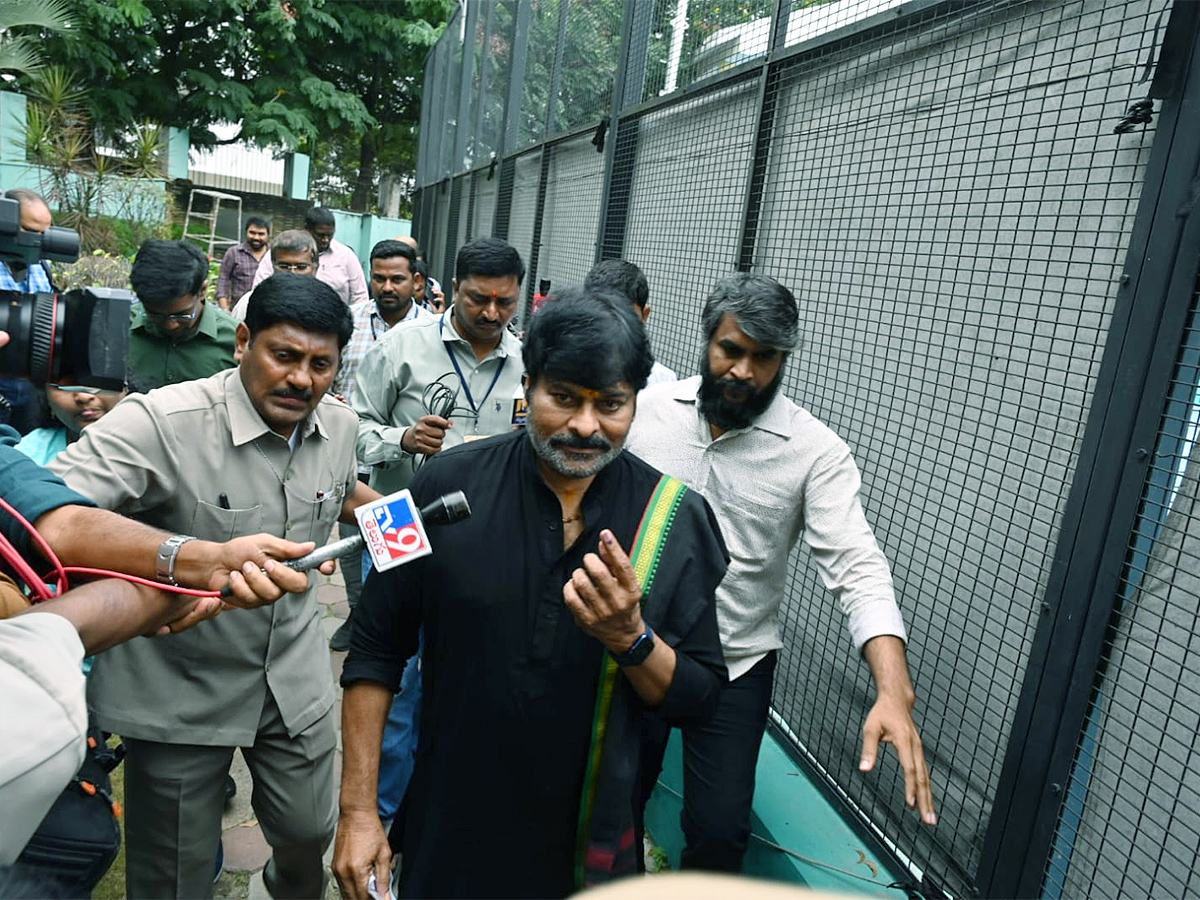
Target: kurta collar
{"points": [[245, 424]]}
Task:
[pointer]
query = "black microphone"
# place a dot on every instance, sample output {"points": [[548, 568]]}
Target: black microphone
{"points": [[445, 510]]}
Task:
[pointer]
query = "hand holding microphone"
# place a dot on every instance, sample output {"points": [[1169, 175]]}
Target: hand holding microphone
{"points": [[396, 528]]}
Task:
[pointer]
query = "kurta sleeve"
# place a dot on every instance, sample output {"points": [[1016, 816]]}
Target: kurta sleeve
{"points": [[385, 628]]}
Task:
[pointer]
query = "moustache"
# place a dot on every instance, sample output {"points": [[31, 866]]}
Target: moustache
{"points": [[294, 395], [595, 442], [741, 389]]}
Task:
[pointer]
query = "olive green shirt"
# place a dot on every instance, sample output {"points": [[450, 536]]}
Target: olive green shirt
{"points": [[154, 360], [391, 383], [174, 459]]}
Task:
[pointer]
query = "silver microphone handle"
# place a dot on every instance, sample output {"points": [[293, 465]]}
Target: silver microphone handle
{"points": [[329, 551]]}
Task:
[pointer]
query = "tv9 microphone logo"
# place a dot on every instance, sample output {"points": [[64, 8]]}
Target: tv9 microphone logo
{"points": [[392, 530]]}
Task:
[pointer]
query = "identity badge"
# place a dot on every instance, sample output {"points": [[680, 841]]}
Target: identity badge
{"points": [[392, 530]]}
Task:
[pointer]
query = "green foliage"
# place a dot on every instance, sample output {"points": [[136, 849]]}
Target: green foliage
{"points": [[21, 52], [373, 50], [111, 200], [96, 269]]}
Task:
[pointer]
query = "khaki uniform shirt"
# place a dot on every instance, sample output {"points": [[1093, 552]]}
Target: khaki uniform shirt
{"points": [[167, 458], [392, 379]]}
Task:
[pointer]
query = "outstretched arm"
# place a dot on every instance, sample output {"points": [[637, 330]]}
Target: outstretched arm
{"points": [[890, 721]]}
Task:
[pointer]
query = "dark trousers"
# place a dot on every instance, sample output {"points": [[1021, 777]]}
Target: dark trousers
{"points": [[719, 761]]}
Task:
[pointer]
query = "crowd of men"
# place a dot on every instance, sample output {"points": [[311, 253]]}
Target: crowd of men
{"points": [[507, 700]]}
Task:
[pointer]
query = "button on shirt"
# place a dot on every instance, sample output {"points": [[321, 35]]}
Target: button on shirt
{"points": [[238, 268], [785, 476], [155, 360], [369, 326], [176, 458], [392, 378], [339, 268]]}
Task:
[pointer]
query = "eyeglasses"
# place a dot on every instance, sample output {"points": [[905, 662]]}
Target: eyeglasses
{"points": [[88, 389], [293, 267], [181, 318]]}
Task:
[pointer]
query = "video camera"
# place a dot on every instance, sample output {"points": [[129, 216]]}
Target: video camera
{"points": [[83, 333]]}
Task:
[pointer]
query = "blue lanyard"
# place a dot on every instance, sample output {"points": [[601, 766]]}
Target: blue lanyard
{"points": [[461, 380]]}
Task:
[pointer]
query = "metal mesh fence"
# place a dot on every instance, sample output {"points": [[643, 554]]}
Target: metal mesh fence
{"points": [[952, 205], [941, 186], [1129, 824]]}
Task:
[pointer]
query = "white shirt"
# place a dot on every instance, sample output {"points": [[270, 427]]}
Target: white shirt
{"points": [[44, 713], [785, 476], [660, 373]]}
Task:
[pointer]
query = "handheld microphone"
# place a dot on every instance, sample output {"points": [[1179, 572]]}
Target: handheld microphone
{"points": [[444, 510]]}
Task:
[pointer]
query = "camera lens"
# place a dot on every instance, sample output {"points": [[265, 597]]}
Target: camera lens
{"points": [[34, 323], [83, 334]]}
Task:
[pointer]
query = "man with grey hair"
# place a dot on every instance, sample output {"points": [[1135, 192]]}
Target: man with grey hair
{"points": [[291, 251], [772, 474]]}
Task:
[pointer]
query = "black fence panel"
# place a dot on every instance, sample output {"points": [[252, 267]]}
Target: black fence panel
{"points": [[950, 189]]}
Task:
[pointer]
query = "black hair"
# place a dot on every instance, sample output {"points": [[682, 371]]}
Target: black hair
{"points": [[301, 300], [489, 257], [589, 337], [318, 215], [256, 222], [390, 249], [419, 268], [163, 271], [621, 276]]}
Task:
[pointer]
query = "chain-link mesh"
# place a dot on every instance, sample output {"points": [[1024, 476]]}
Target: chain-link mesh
{"points": [[572, 210], [952, 207], [1130, 821], [941, 186], [685, 210]]}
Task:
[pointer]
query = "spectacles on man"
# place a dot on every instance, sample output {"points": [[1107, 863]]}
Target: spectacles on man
{"points": [[293, 267], [181, 318], [103, 393]]}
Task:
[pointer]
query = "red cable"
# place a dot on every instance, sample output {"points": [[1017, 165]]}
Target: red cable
{"points": [[172, 588], [59, 571], [25, 571]]}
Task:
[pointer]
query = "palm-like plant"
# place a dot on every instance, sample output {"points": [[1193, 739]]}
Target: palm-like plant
{"points": [[19, 52]]}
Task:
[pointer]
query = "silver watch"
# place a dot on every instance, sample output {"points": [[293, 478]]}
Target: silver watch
{"points": [[164, 562]]}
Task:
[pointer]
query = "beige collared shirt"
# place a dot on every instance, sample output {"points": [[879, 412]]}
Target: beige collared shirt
{"points": [[175, 458], [392, 379], [784, 477]]}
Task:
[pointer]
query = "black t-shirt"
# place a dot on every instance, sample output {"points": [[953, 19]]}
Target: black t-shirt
{"points": [[510, 679]]}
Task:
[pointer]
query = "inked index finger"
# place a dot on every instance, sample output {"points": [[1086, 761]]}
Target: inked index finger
{"points": [[618, 563]]}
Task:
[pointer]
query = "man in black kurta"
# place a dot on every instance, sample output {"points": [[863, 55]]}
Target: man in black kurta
{"points": [[510, 673]]}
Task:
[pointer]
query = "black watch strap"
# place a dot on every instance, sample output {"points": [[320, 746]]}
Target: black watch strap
{"points": [[636, 655]]}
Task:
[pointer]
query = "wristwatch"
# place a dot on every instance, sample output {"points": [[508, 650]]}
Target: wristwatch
{"points": [[168, 550], [636, 655]]}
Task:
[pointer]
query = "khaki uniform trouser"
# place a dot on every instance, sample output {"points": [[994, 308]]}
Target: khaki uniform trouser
{"points": [[175, 797]]}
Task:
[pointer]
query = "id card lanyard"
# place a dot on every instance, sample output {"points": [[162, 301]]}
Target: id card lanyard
{"points": [[475, 408]]}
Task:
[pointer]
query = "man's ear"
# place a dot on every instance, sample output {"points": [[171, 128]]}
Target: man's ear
{"points": [[645, 313], [241, 341]]}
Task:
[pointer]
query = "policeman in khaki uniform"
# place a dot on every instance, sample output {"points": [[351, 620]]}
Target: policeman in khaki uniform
{"points": [[251, 449]]}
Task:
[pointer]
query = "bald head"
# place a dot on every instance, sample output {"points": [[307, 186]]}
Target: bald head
{"points": [[35, 214]]}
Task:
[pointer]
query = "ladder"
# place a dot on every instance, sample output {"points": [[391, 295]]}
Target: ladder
{"points": [[206, 235]]}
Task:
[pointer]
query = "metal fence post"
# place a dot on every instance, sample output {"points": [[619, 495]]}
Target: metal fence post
{"points": [[614, 121]]}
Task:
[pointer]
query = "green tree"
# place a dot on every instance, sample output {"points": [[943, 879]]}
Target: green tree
{"points": [[375, 51], [194, 63], [20, 52]]}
